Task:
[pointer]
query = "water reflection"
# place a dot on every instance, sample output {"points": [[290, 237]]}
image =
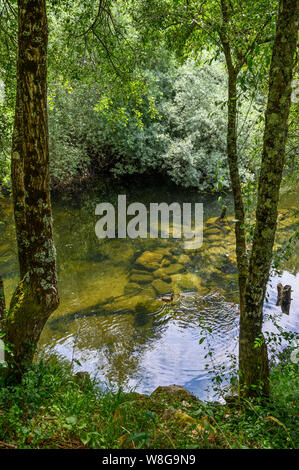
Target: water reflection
{"points": [[111, 318]]}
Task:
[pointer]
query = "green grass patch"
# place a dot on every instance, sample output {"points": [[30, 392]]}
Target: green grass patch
{"points": [[51, 408]]}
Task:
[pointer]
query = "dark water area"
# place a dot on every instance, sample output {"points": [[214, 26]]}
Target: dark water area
{"points": [[111, 317]]}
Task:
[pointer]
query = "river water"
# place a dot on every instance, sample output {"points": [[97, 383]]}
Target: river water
{"points": [[111, 320]]}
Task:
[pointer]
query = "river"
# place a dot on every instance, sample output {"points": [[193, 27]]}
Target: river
{"points": [[111, 320]]}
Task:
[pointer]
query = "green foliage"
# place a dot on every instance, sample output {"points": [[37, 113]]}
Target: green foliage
{"points": [[6, 119], [177, 128], [8, 43], [51, 409], [119, 102]]}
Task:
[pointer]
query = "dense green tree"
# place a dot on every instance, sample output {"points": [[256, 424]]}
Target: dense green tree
{"points": [[8, 52], [182, 135]]}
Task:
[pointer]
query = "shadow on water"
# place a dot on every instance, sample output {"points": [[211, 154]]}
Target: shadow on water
{"points": [[112, 319]]}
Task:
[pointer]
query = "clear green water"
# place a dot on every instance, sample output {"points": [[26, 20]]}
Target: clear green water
{"points": [[115, 323]]}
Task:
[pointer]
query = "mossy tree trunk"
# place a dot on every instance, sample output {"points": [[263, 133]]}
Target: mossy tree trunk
{"points": [[36, 296], [17, 179], [253, 361], [253, 277], [232, 156]]}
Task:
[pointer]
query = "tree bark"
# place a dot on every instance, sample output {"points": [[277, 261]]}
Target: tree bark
{"points": [[17, 179], [253, 361], [36, 296], [232, 155]]}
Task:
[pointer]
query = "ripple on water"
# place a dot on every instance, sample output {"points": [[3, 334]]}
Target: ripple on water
{"points": [[122, 333]]}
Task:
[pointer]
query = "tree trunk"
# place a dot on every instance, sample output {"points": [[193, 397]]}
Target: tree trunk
{"points": [[253, 362], [232, 156], [36, 295], [17, 179]]}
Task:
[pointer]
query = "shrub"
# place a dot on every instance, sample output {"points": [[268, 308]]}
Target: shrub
{"points": [[183, 138]]}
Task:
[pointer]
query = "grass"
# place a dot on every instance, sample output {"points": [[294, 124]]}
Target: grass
{"points": [[51, 408]]}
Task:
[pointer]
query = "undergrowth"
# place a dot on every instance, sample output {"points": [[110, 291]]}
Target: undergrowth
{"points": [[51, 408]]}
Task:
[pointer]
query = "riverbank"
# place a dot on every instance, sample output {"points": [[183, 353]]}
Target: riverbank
{"points": [[53, 408]]}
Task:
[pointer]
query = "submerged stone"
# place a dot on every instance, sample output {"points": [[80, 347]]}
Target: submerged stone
{"points": [[184, 282], [118, 251], [161, 287], [162, 274], [166, 262], [131, 287], [214, 237], [174, 269], [150, 260], [212, 221], [141, 278], [216, 250], [226, 266], [184, 259]]}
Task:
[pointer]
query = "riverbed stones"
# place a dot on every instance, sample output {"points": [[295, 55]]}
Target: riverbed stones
{"points": [[131, 288], [142, 277], [215, 237], [161, 274], [225, 265], [174, 269], [165, 269], [169, 270], [186, 282], [216, 250], [161, 287], [118, 251], [212, 221], [151, 260], [149, 291], [165, 262], [231, 256], [184, 259]]}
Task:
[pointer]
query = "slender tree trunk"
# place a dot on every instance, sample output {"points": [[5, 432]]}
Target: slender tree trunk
{"points": [[36, 295], [232, 156], [253, 362]]}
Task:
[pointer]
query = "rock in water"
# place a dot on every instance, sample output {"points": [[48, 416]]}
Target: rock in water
{"points": [[161, 287], [142, 277], [150, 260]]}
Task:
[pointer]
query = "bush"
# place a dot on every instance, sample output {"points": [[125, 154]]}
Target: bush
{"points": [[6, 120], [178, 128]]}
